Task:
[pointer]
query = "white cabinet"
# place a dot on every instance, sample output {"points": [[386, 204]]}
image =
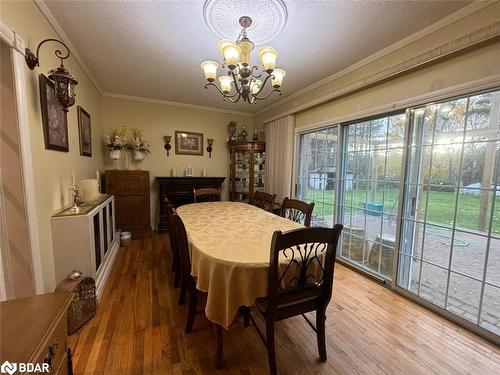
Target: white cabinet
{"points": [[86, 241]]}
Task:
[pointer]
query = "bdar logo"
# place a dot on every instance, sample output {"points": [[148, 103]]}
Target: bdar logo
{"points": [[8, 367]]}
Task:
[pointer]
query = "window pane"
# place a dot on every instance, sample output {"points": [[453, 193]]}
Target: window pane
{"points": [[490, 312], [493, 271], [468, 254], [433, 284], [437, 245], [463, 297]]}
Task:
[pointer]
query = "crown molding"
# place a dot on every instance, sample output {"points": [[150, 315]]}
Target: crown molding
{"points": [[442, 23], [42, 6], [176, 104]]}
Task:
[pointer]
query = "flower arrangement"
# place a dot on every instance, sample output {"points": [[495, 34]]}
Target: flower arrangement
{"points": [[117, 140], [138, 144]]}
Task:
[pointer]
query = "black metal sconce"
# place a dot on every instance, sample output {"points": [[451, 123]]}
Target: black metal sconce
{"points": [[210, 142], [167, 143], [64, 82]]}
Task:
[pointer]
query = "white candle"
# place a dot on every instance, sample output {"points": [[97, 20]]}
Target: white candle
{"points": [[73, 178], [204, 172], [174, 172], [97, 174]]}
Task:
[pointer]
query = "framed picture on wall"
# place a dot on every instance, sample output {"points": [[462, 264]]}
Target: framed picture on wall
{"points": [[54, 120], [84, 131], [187, 143]]}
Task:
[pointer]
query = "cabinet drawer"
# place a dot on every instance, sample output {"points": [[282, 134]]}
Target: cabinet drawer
{"points": [[53, 351]]}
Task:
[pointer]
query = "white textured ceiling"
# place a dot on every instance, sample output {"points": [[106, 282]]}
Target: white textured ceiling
{"points": [[153, 49]]}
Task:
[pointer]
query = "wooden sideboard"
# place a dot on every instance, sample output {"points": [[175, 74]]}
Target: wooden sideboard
{"points": [[179, 191], [132, 208], [34, 331]]}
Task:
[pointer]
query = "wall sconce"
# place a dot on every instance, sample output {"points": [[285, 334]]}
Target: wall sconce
{"points": [[167, 143], [210, 142], [64, 82]]}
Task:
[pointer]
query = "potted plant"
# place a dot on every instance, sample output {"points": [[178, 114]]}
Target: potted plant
{"points": [[116, 142], [139, 145]]}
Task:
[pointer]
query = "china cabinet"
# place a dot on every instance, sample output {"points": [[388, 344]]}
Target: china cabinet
{"points": [[247, 168]]}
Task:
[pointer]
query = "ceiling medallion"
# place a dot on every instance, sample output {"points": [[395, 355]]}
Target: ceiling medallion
{"points": [[269, 18], [242, 79]]}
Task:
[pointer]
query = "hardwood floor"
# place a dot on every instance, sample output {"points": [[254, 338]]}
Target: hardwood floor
{"points": [[139, 328]]}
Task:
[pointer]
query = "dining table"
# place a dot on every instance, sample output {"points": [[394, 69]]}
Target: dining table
{"points": [[230, 245]]}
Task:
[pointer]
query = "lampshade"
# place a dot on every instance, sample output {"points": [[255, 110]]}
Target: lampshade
{"points": [[246, 48], [255, 86], [267, 57], [222, 44], [278, 74], [225, 84], [210, 70], [231, 53]]}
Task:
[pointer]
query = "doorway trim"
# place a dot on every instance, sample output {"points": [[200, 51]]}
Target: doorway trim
{"points": [[17, 46]]}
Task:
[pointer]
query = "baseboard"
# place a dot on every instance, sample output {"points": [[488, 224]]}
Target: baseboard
{"points": [[106, 268]]}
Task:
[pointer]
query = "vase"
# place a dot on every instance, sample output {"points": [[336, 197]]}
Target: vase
{"points": [[115, 154], [138, 155]]}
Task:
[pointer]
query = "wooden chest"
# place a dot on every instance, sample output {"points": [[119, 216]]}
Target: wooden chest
{"points": [[34, 331], [132, 206]]}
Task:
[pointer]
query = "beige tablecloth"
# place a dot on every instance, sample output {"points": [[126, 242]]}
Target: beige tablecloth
{"points": [[230, 246]]}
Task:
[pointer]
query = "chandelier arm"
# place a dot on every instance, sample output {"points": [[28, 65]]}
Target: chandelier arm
{"points": [[263, 84], [235, 100], [219, 90], [268, 95]]}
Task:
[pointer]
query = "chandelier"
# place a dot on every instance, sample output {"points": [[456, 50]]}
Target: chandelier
{"points": [[242, 80]]}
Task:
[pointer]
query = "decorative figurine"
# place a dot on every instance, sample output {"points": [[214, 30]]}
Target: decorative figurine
{"points": [[243, 134], [255, 134], [231, 128]]}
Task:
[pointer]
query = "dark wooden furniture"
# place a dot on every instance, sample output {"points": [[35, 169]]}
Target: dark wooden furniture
{"points": [[206, 194], [174, 247], [132, 209], [297, 210], [247, 167], [188, 283], [34, 330], [301, 270], [179, 191], [263, 200]]}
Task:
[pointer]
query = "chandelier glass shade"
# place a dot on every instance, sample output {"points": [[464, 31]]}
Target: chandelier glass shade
{"points": [[242, 80]]}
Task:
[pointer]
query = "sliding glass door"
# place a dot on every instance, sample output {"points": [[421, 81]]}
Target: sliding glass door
{"points": [[317, 173], [450, 234], [372, 157], [418, 193]]}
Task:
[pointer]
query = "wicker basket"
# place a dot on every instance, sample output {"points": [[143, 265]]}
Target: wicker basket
{"points": [[84, 304]]}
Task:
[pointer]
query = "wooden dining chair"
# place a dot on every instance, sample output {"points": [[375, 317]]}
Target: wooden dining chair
{"points": [[263, 200], [188, 283], [297, 210], [176, 266], [301, 271], [206, 194]]}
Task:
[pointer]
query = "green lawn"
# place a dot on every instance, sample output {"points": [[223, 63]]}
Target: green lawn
{"points": [[441, 206]]}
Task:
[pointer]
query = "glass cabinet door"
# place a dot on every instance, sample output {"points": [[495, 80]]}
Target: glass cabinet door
{"points": [[242, 171], [258, 170]]}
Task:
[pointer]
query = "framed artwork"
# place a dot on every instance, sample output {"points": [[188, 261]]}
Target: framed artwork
{"points": [[187, 143], [84, 131], [54, 120]]}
